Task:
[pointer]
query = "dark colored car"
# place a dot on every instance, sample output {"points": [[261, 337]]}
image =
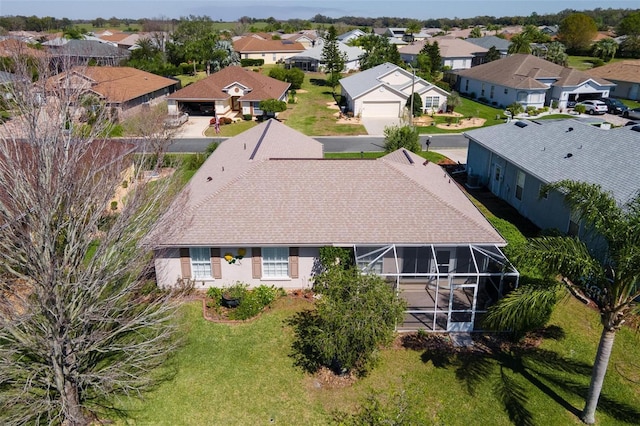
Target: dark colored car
{"points": [[634, 113], [614, 106]]}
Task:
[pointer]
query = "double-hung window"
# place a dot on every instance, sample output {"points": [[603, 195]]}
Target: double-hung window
{"points": [[519, 184], [275, 262], [200, 262]]}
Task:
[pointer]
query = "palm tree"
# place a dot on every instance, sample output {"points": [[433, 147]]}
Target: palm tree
{"points": [[605, 49], [556, 53], [608, 273], [520, 44]]}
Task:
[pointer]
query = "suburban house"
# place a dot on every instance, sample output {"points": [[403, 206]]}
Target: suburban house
{"points": [[311, 59], [307, 38], [351, 35], [487, 42], [271, 51], [383, 91], [78, 52], [233, 91], [264, 203], [530, 81], [455, 53], [515, 159], [626, 76], [122, 89]]}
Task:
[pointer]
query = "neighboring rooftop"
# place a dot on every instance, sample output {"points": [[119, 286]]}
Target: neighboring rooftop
{"points": [[553, 150], [628, 71]]}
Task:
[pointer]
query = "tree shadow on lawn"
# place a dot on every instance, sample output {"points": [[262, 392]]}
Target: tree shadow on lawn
{"points": [[318, 81], [507, 366]]}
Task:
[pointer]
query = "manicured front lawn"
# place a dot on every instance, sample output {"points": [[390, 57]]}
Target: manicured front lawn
{"points": [[312, 115]]}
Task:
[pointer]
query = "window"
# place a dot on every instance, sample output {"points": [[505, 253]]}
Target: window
{"points": [[275, 262], [200, 262], [482, 90], [275, 57], [574, 224], [506, 91], [431, 102], [466, 86], [543, 195], [491, 93], [519, 185]]}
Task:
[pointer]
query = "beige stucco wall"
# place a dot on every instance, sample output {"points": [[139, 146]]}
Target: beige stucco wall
{"points": [[168, 271], [270, 57]]}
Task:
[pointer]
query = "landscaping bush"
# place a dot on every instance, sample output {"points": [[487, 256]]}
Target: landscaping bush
{"points": [[531, 110], [483, 100], [215, 294], [266, 294], [580, 109], [194, 161], [247, 117], [225, 120], [396, 137], [515, 109], [249, 307], [251, 62]]}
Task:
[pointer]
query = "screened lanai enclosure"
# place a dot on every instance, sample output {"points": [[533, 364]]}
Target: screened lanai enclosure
{"points": [[447, 288]]}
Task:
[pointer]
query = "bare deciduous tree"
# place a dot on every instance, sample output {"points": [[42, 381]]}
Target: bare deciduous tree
{"points": [[77, 327]]}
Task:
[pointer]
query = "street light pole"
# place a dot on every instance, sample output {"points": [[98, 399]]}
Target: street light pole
{"points": [[413, 82]]}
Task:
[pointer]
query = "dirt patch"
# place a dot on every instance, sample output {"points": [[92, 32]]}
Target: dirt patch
{"points": [[327, 379], [465, 123], [332, 105]]}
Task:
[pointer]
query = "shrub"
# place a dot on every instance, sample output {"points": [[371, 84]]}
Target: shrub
{"points": [[597, 62], [225, 120], [249, 307], [215, 294], [194, 161], [266, 294], [211, 148], [251, 62], [396, 137], [531, 110], [238, 290], [125, 184], [472, 95], [515, 108], [247, 117], [554, 104], [483, 100], [114, 205], [579, 108]]}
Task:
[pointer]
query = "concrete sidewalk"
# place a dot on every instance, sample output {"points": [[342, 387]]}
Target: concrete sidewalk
{"points": [[458, 155]]}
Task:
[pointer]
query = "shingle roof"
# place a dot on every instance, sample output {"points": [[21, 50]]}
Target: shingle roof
{"points": [[90, 48], [120, 84], [211, 88], [609, 158], [301, 199], [352, 52], [499, 43], [628, 71], [360, 83], [522, 71], [252, 44]]}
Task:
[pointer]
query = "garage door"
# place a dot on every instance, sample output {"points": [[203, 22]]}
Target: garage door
{"points": [[381, 109]]}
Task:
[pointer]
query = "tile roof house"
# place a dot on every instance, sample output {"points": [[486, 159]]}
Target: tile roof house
{"points": [[626, 76], [267, 201], [383, 91], [456, 53], [530, 81], [232, 91], [271, 51], [124, 89], [514, 159], [311, 59]]}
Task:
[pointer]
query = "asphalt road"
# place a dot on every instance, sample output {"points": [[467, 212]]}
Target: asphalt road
{"points": [[334, 143]]}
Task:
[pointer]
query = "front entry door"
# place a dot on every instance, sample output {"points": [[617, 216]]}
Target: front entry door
{"points": [[496, 179]]}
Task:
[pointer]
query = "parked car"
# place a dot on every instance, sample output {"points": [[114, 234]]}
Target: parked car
{"points": [[614, 106], [594, 106], [634, 113]]}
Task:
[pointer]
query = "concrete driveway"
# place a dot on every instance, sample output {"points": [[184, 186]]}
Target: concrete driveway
{"points": [[375, 125], [193, 128]]}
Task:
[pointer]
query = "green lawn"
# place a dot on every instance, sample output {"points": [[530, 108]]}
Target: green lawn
{"points": [[434, 157], [242, 374]]}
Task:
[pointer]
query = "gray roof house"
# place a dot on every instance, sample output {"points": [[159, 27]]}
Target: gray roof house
{"points": [[501, 44], [311, 59], [383, 91], [351, 35], [264, 203], [530, 81], [515, 159], [81, 51]]}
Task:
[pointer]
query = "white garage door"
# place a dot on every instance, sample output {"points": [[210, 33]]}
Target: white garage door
{"points": [[381, 109]]}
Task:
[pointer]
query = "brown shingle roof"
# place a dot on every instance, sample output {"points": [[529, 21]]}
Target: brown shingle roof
{"points": [[120, 84], [256, 45], [628, 71], [522, 71], [212, 88], [305, 200]]}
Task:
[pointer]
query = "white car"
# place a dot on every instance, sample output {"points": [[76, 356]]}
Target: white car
{"points": [[594, 107]]}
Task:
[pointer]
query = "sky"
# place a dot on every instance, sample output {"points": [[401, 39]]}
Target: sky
{"points": [[232, 10]]}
